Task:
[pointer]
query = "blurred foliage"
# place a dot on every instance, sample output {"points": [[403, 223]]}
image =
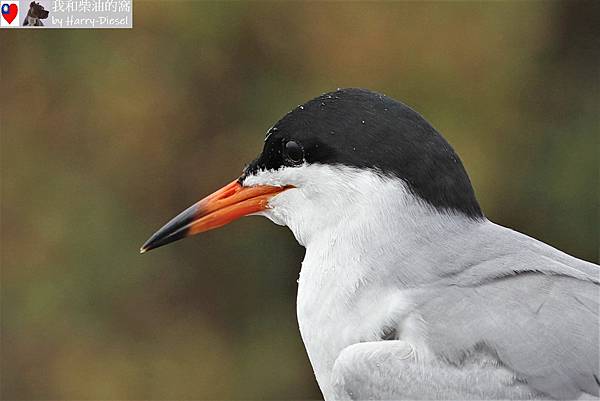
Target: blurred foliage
{"points": [[106, 134]]}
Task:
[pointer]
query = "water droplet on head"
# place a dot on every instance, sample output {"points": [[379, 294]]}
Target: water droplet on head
{"points": [[362, 121], [322, 103], [329, 96], [353, 148], [301, 107]]}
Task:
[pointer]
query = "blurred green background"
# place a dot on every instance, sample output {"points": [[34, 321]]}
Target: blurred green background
{"points": [[106, 135]]}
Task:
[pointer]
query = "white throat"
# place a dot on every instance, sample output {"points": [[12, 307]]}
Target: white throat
{"points": [[364, 233]]}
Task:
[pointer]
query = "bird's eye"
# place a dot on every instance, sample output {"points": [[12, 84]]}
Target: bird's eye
{"points": [[294, 152]]}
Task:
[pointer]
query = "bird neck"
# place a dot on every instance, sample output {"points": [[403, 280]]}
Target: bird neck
{"points": [[373, 227], [375, 257]]}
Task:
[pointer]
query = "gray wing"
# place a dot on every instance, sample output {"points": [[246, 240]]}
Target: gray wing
{"points": [[535, 311], [516, 319], [390, 370]]}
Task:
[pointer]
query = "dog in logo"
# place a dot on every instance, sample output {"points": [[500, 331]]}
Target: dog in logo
{"points": [[35, 15]]}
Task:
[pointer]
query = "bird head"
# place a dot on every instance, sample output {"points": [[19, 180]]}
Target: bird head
{"points": [[341, 154]]}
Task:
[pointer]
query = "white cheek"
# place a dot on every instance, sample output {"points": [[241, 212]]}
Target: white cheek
{"points": [[282, 206], [323, 198], [296, 176]]}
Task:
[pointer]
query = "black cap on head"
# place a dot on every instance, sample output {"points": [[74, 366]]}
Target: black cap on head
{"points": [[367, 130]]}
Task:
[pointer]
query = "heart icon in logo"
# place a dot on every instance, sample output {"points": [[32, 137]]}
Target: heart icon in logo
{"points": [[9, 12]]}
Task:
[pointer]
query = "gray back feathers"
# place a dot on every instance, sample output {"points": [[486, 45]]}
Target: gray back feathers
{"points": [[533, 307]]}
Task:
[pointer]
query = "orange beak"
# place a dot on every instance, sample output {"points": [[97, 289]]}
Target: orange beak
{"points": [[221, 207]]}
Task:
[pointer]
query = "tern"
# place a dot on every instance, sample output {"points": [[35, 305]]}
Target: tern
{"points": [[406, 290]]}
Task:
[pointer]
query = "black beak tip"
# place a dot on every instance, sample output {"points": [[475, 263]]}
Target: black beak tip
{"points": [[161, 238], [149, 245], [174, 230]]}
